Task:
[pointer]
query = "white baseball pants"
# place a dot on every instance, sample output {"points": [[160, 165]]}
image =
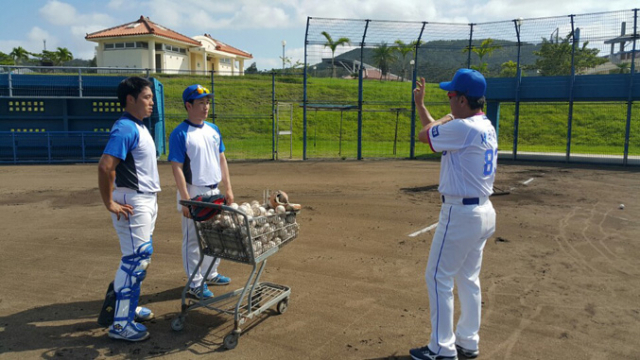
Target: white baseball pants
{"points": [[190, 246], [456, 253]]}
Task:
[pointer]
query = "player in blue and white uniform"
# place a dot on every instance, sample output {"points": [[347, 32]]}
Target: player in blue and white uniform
{"points": [[469, 147], [128, 181], [196, 152]]}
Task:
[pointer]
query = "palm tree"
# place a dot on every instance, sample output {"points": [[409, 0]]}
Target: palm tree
{"points": [[63, 55], [404, 50], [486, 48], [19, 54], [333, 45], [383, 56], [623, 68]]}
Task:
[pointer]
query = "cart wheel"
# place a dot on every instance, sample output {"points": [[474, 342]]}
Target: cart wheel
{"points": [[177, 324], [231, 341], [283, 305]]}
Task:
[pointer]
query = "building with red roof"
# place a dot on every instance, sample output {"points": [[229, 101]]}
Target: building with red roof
{"points": [[147, 45]]}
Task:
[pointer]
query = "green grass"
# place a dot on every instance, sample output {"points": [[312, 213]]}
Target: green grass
{"points": [[243, 107]]}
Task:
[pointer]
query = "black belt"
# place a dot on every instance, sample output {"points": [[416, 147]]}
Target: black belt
{"points": [[468, 201], [214, 186], [145, 193]]}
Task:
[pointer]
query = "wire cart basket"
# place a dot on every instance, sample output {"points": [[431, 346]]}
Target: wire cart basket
{"points": [[233, 235]]}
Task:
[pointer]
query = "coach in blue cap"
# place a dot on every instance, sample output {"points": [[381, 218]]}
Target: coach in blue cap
{"points": [[469, 149], [196, 152]]}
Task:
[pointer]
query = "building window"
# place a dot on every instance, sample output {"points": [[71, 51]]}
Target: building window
{"points": [[173, 48], [158, 46], [127, 45]]}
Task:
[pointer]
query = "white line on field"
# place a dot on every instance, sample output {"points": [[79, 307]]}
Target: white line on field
{"points": [[528, 181], [423, 230]]}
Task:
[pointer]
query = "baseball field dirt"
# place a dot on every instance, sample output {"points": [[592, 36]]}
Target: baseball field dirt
{"points": [[560, 280]]}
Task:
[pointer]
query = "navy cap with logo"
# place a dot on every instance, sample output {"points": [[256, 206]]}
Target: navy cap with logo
{"points": [[467, 82], [194, 92]]}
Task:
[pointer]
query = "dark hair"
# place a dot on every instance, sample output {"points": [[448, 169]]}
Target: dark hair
{"points": [[131, 86], [475, 103]]}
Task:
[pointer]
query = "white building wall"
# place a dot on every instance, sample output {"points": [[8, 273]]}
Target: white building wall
{"points": [[173, 62], [132, 58]]}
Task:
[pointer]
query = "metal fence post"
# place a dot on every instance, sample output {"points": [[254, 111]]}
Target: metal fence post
{"points": [[630, 101], [414, 79], [80, 82], [516, 119], [574, 39], [10, 83], [213, 98], [273, 117], [148, 72], [304, 94], [360, 83], [470, 46]]}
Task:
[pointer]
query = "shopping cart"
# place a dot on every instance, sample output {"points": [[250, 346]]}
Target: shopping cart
{"points": [[236, 236]]}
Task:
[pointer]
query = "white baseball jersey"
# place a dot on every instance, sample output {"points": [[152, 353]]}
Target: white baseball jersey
{"points": [[469, 156], [131, 142], [198, 148]]}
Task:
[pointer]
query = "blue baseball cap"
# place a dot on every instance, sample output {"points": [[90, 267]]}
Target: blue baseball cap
{"points": [[468, 82], [194, 92]]}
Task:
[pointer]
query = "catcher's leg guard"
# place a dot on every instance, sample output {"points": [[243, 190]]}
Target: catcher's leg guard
{"points": [[131, 273], [105, 319]]}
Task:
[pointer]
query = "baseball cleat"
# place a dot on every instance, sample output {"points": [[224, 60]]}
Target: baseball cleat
{"points": [[201, 292], [132, 331], [424, 353], [219, 280], [469, 354], [143, 314]]}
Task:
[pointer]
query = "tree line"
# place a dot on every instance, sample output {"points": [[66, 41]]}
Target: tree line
{"points": [[493, 58], [61, 56]]}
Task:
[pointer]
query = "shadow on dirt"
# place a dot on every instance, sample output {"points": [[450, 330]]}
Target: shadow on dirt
{"points": [[70, 330]]}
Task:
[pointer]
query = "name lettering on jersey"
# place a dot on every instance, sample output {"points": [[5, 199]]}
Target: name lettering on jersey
{"points": [[434, 131], [489, 137]]}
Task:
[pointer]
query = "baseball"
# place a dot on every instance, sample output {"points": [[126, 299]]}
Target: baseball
{"points": [[280, 210], [621, 206], [234, 206]]}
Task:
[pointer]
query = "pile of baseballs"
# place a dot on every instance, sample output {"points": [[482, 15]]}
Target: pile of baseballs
{"points": [[267, 228]]}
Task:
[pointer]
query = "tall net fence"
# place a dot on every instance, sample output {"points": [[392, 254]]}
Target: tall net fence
{"points": [[541, 111]]}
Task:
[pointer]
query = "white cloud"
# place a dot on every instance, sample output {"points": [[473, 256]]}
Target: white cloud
{"points": [[407, 10], [121, 5], [34, 41], [63, 14]]}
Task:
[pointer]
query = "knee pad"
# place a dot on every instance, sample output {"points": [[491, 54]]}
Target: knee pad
{"points": [[136, 264]]}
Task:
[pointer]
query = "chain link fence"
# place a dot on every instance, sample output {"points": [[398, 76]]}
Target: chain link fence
{"points": [[352, 98], [555, 49]]}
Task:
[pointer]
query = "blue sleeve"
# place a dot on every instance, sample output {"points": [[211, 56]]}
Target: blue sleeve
{"points": [[122, 139], [177, 145], [217, 129]]}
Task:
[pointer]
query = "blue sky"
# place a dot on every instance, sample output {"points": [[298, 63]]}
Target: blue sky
{"points": [[256, 26]]}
